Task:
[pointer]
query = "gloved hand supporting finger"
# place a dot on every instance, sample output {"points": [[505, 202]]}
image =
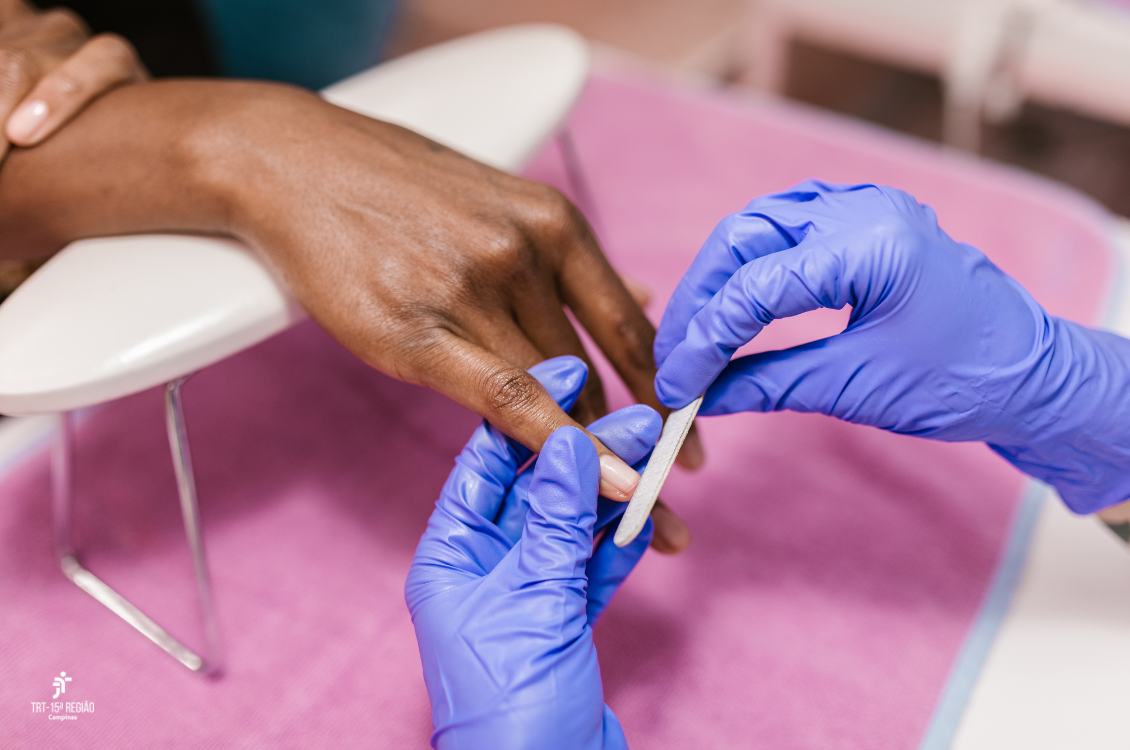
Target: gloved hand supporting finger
{"points": [[610, 566], [557, 536], [484, 474], [630, 433]]}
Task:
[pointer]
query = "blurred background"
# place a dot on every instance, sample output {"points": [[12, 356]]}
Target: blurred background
{"points": [[1040, 84]]}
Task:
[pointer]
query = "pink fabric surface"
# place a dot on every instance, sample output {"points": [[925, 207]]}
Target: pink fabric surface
{"points": [[1123, 4], [834, 573]]}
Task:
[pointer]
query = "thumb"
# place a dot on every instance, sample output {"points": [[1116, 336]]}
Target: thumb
{"points": [[810, 276], [557, 537]]}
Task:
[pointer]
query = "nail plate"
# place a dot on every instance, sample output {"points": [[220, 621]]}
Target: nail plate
{"points": [[25, 121], [617, 479]]}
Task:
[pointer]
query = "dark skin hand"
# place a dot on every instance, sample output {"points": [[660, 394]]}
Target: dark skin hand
{"points": [[429, 266]]}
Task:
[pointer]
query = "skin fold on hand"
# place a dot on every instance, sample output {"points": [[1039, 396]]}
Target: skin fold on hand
{"points": [[427, 265], [51, 68]]}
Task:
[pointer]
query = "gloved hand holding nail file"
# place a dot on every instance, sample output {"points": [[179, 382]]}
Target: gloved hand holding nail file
{"points": [[506, 582], [941, 343]]}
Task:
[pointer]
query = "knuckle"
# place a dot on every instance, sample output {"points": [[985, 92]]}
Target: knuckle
{"points": [[892, 227], [64, 22], [115, 51], [509, 389], [504, 258], [16, 71], [553, 215], [505, 243]]}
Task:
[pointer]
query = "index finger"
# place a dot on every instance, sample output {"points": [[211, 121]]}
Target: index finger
{"points": [[804, 278], [736, 240], [603, 305], [513, 401]]}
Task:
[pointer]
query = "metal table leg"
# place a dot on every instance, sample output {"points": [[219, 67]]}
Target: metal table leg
{"points": [[62, 481]]}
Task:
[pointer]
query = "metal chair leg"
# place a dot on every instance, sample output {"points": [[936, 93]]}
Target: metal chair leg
{"points": [[578, 182], [62, 481]]}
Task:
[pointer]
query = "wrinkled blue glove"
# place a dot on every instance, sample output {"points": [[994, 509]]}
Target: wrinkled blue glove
{"points": [[941, 342], [505, 584]]}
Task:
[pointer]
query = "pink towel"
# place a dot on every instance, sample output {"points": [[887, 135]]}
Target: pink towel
{"points": [[835, 571]]}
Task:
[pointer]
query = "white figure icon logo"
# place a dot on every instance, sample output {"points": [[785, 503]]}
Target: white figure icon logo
{"points": [[60, 684]]}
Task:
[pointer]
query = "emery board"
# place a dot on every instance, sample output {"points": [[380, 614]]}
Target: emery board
{"points": [[675, 431]]}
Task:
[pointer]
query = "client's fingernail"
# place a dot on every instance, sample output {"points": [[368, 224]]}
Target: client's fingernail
{"points": [[25, 121], [617, 480]]}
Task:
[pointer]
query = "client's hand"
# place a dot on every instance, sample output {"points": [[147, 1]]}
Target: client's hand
{"points": [[941, 342], [506, 584], [51, 68], [431, 266]]}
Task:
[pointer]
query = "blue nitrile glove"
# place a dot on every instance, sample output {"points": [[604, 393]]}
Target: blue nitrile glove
{"points": [[941, 342], [505, 585]]}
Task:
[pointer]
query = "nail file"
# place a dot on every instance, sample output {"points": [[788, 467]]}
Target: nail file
{"points": [[675, 431]]}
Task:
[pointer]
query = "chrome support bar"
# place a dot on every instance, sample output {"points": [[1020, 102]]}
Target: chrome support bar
{"points": [[62, 485], [578, 181]]}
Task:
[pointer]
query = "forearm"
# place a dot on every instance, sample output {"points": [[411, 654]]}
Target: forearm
{"points": [[144, 158]]}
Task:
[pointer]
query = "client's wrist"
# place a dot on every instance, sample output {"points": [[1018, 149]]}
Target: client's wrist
{"points": [[242, 153]]}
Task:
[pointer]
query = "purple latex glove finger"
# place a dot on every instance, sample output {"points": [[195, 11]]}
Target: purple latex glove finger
{"points": [[765, 226], [507, 654]]}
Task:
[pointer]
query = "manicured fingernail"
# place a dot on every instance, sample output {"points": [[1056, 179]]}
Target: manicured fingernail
{"points": [[25, 121], [617, 480]]}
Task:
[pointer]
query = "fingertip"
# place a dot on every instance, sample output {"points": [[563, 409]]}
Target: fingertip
{"points": [[25, 124], [617, 480], [668, 390], [573, 437], [647, 423], [570, 449]]}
